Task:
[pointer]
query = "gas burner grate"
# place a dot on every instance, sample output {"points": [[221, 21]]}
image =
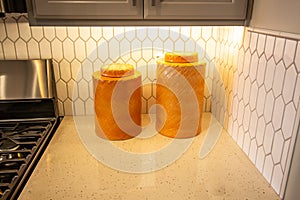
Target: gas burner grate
{"points": [[20, 145], [6, 144]]}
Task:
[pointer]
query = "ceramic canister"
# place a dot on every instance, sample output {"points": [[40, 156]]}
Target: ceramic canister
{"points": [[117, 102], [179, 94]]}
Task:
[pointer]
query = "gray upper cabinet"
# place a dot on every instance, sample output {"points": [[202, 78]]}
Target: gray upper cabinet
{"points": [[196, 9], [85, 10], [139, 12]]}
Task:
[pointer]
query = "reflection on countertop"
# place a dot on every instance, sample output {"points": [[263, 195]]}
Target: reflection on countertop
{"points": [[67, 170]]}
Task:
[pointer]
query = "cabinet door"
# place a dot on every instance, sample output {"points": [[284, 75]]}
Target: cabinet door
{"points": [[195, 9], [83, 9]]}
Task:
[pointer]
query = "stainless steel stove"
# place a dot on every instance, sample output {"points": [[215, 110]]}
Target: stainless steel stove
{"points": [[28, 119]]}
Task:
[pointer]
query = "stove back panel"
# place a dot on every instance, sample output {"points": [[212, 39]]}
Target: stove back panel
{"points": [[26, 79]]}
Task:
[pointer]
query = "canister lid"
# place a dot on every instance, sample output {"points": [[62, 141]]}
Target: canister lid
{"points": [[117, 70], [181, 57]]}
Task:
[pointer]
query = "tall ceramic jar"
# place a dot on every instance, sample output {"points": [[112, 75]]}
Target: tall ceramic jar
{"points": [[179, 94], [117, 102]]}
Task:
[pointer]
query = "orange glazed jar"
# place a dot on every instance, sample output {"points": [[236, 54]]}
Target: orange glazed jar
{"points": [[180, 94], [117, 102]]}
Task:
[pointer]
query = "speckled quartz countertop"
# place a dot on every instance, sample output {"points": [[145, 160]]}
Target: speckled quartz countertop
{"points": [[67, 170]]}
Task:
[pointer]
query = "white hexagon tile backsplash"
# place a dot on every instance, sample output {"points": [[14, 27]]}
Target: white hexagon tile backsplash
{"points": [[252, 79], [265, 102], [79, 51]]}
